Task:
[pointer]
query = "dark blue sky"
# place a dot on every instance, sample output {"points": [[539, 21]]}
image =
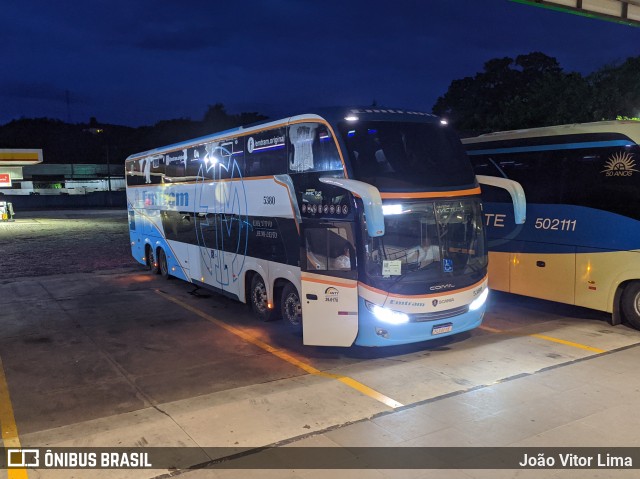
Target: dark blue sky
{"points": [[135, 62]]}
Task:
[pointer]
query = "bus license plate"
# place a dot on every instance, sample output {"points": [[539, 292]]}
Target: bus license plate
{"points": [[442, 328]]}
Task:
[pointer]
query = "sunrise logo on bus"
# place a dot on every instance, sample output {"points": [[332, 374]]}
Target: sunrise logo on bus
{"points": [[620, 164]]}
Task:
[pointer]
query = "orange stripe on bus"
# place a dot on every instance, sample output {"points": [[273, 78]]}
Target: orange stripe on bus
{"points": [[331, 283], [430, 194]]}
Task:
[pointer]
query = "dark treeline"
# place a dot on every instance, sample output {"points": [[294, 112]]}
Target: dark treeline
{"points": [[529, 91], [533, 90], [91, 142]]}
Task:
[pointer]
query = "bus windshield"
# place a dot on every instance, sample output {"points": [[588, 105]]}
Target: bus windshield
{"points": [[400, 155], [427, 243]]}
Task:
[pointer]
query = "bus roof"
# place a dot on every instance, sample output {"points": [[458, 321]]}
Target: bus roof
{"points": [[332, 115], [629, 128]]}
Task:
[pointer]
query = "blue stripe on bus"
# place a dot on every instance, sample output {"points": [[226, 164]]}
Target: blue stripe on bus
{"points": [[550, 228], [560, 146]]}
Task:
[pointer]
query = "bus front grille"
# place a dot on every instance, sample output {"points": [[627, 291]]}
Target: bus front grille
{"points": [[435, 316]]}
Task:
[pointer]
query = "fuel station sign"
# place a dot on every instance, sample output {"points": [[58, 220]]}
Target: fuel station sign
{"points": [[5, 180]]}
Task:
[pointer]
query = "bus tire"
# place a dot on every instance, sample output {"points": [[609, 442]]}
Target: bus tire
{"points": [[259, 299], [163, 266], [291, 306], [631, 304], [152, 263]]}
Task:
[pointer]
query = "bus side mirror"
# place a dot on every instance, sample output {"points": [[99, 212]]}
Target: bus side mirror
{"points": [[515, 190], [370, 199]]}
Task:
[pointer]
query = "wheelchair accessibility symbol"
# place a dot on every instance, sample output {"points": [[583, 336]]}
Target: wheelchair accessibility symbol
{"points": [[447, 265]]}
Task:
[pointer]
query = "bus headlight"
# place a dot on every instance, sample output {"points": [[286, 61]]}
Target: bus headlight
{"points": [[391, 210], [387, 315], [479, 301]]}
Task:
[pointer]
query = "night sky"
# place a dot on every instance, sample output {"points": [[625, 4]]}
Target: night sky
{"points": [[137, 62]]}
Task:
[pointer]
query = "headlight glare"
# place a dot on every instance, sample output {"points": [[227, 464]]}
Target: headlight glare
{"points": [[387, 315], [479, 301]]}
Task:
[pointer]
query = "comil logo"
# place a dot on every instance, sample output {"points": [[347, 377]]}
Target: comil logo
{"points": [[620, 164]]}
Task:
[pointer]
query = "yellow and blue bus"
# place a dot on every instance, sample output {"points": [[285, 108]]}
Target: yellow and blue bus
{"points": [[358, 226], [581, 244]]}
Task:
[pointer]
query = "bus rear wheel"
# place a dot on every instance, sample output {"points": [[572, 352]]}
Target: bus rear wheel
{"points": [[291, 306], [631, 304], [259, 299], [163, 266], [152, 263]]}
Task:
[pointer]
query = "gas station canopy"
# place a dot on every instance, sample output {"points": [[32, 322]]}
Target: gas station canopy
{"points": [[12, 161], [621, 11], [12, 157]]}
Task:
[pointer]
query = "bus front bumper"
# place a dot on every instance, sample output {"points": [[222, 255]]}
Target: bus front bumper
{"points": [[373, 332]]}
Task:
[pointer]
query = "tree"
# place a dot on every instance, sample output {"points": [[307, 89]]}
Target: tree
{"points": [[528, 91], [617, 90], [80, 143], [216, 118]]}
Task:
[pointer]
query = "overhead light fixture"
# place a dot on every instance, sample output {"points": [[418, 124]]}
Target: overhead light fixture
{"points": [[351, 118]]}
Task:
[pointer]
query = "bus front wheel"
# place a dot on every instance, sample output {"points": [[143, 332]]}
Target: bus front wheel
{"points": [[631, 304], [259, 299], [291, 306]]}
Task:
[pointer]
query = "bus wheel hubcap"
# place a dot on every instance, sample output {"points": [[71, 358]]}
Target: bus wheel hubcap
{"points": [[292, 309]]}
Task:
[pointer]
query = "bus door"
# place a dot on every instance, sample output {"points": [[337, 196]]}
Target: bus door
{"points": [[329, 282]]}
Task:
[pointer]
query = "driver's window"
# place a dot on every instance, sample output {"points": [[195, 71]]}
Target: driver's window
{"points": [[330, 249]]}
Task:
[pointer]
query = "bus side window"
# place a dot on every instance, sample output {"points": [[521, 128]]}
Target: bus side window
{"points": [[312, 148], [265, 153], [176, 165], [330, 249], [194, 161], [316, 243], [325, 150], [134, 172], [229, 156], [154, 169], [219, 160]]}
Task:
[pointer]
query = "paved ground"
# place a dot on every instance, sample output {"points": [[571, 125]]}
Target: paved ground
{"points": [[53, 242], [120, 357]]}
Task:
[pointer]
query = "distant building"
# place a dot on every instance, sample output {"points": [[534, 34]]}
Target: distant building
{"points": [[12, 161], [71, 179], [22, 173]]}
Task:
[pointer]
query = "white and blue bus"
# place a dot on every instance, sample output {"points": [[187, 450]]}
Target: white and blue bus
{"points": [[359, 226], [581, 244]]}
